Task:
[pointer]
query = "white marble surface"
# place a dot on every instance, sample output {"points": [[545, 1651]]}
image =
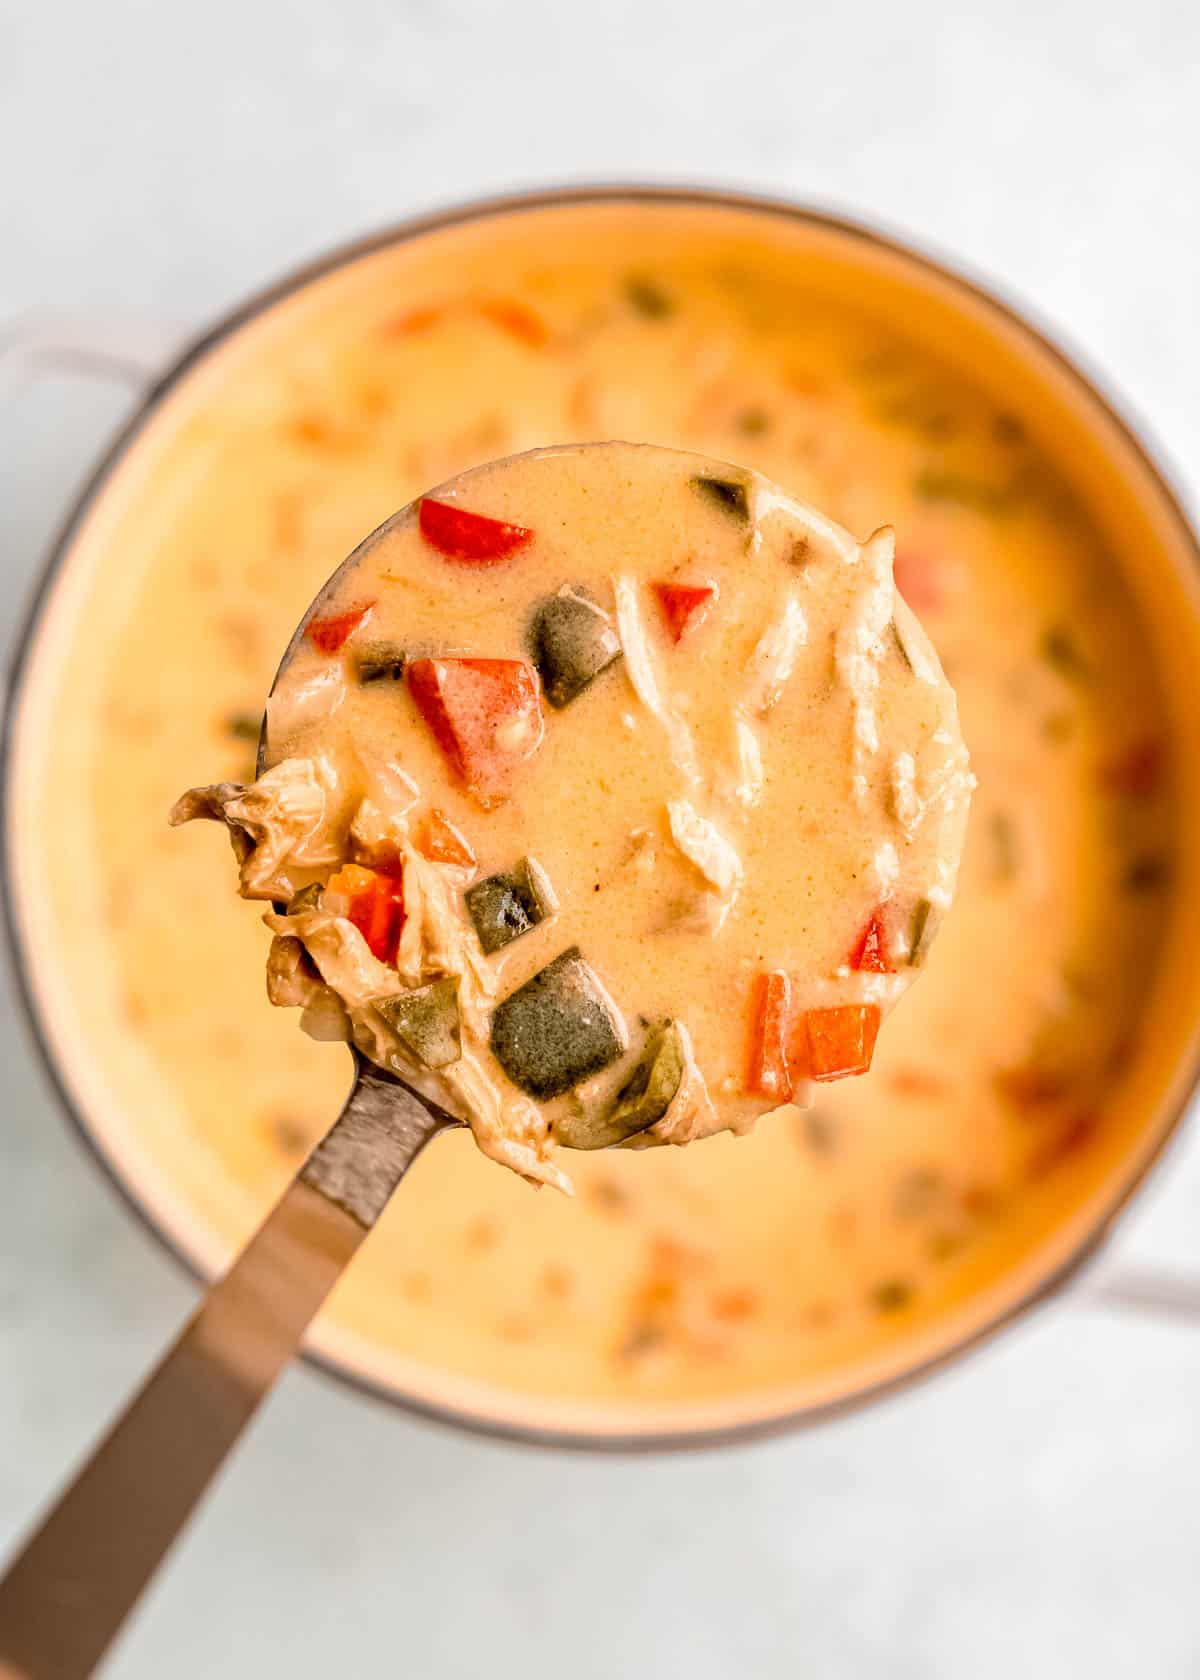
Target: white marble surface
{"points": [[1038, 1509]]}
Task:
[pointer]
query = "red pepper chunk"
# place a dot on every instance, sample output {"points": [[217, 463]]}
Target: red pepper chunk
{"points": [[460, 535], [870, 955], [413, 321], [516, 320], [768, 1073], [787, 1045], [1136, 773], [441, 842], [684, 604], [834, 1043], [375, 906], [484, 714], [328, 635], [919, 580]]}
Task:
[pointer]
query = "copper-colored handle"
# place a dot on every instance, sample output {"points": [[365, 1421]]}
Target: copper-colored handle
{"points": [[67, 1593]]}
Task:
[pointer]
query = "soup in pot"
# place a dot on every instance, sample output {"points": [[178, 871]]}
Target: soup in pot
{"points": [[674, 1277]]}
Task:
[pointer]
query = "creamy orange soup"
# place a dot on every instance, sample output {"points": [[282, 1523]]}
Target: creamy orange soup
{"points": [[674, 1276], [611, 796]]}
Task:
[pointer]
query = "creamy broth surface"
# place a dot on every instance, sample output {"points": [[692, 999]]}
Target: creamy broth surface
{"points": [[651, 790], [673, 1275]]}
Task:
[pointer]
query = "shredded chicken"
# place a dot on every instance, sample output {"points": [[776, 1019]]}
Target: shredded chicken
{"points": [[280, 826], [291, 983], [506, 1125], [906, 803], [639, 667], [378, 826], [942, 795], [858, 650], [375, 835], [774, 657], [885, 868], [750, 774], [769, 671], [436, 940], [297, 705], [704, 846], [387, 786], [340, 953]]}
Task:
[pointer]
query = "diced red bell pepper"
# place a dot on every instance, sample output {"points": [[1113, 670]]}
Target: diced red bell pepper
{"points": [[413, 322], [1137, 772], [768, 1073], [916, 1082], [1052, 1151], [919, 581], [460, 535], [788, 1045], [330, 634], [684, 604], [1034, 1085], [485, 715], [517, 320], [376, 906], [871, 955], [441, 842], [834, 1043]]}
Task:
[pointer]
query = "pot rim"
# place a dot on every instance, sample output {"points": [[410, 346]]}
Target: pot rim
{"points": [[28, 624]]}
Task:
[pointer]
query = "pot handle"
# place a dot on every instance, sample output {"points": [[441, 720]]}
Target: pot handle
{"points": [[1150, 1291], [131, 351]]}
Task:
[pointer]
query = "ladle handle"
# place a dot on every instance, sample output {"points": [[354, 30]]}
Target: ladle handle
{"points": [[134, 352], [67, 1593], [1151, 1292]]}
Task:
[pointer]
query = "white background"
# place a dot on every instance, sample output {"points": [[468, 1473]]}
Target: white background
{"points": [[1034, 1512]]}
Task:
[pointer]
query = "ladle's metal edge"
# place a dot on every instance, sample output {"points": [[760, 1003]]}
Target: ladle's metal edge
{"points": [[545, 198]]}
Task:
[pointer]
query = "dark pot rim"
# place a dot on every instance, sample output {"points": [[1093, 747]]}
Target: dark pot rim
{"points": [[635, 1441]]}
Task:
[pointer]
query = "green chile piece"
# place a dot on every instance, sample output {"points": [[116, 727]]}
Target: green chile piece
{"points": [[901, 644], [727, 493], [426, 1021], [505, 906], [381, 662], [572, 642], [308, 898], [642, 1100], [245, 726], [558, 1028], [927, 919], [648, 298]]}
